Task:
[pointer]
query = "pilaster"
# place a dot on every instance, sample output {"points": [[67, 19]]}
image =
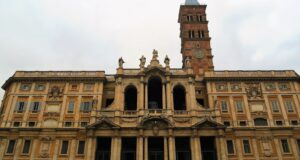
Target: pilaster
{"points": [[140, 148]]}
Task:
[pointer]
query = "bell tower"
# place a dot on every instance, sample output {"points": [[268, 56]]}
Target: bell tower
{"points": [[195, 39]]}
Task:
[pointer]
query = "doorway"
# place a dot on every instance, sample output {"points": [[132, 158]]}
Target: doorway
{"points": [[128, 149], [208, 148], [103, 148], [156, 148], [183, 150]]}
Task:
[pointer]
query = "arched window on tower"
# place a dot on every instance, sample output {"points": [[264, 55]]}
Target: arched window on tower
{"points": [[130, 98], [154, 93], [260, 122], [179, 99]]}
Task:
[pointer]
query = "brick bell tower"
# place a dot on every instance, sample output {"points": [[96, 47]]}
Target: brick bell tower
{"points": [[194, 34]]}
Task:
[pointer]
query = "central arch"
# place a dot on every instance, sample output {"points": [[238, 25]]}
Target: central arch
{"points": [[154, 93]]}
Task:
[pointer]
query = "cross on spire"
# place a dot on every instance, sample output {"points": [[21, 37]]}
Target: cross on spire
{"points": [[192, 2]]}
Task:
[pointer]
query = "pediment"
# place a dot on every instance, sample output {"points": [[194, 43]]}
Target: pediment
{"points": [[103, 123], [159, 121], [208, 123], [153, 69]]}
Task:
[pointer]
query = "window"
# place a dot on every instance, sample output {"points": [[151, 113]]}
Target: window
{"points": [[289, 106], [285, 146], [88, 87], [68, 124], [243, 123], [270, 86], [17, 124], [274, 105], [109, 101], [201, 34], [39, 87], [179, 98], [64, 147], [294, 122], [80, 149], [86, 106], [130, 98], [31, 124], [279, 123], [11, 147], [226, 123], [239, 106], [235, 87], [25, 87], [20, 107], [221, 87], [246, 146], [200, 18], [71, 107], [190, 18], [191, 34], [230, 147], [260, 122], [83, 124], [35, 107], [74, 87], [200, 101], [284, 86], [26, 147], [224, 106]]}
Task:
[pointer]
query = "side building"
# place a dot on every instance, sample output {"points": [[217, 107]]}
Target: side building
{"points": [[154, 111]]}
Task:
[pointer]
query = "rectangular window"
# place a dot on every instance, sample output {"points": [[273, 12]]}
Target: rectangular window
{"points": [[35, 107], [294, 122], [16, 124], [275, 107], [200, 18], [86, 106], [11, 147], [190, 18], [298, 144], [31, 124], [226, 123], [289, 106], [191, 34], [201, 34], [39, 87], [230, 147], [247, 147], [239, 106], [83, 124], [71, 107], [243, 123], [279, 123], [25, 87], [26, 147], [20, 107], [285, 146], [224, 106], [80, 149], [68, 124], [64, 147]]}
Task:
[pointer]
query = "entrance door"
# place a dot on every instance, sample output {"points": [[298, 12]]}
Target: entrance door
{"points": [[128, 149], [103, 148], [208, 148], [183, 151], [156, 148]]}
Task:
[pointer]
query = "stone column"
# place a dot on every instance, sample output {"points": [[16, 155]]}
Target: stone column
{"points": [[232, 111], [278, 148], [72, 149], [18, 148], [297, 106], [268, 107], [11, 111], [56, 149], [164, 96], [195, 148], [116, 148], [168, 93], [62, 112], [221, 148], [172, 150], [142, 93], [89, 148], [239, 149], [166, 157], [294, 148], [192, 95], [247, 110], [140, 148], [2, 147], [283, 110], [145, 148], [146, 96], [33, 148], [255, 150]]}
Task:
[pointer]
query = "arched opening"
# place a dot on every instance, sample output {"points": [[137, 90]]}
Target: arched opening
{"points": [[179, 98], [260, 122], [155, 93], [130, 98]]}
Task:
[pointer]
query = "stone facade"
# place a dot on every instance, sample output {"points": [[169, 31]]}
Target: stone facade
{"points": [[153, 112]]}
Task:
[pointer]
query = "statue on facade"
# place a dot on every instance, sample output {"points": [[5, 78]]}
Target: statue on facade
{"points": [[142, 62], [167, 61], [121, 62], [155, 55], [188, 62]]}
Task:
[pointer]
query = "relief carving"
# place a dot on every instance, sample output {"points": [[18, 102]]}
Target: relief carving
{"points": [[55, 93], [254, 91]]}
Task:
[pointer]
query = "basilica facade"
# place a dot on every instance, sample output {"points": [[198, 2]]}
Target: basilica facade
{"points": [[154, 111]]}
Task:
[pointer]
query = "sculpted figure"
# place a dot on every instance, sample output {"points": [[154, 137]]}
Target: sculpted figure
{"points": [[167, 61], [121, 62], [155, 55], [142, 62]]}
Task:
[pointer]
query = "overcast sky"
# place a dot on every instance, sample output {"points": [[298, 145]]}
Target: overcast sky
{"points": [[93, 34]]}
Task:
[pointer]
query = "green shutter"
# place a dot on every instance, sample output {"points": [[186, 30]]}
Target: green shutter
{"points": [[17, 106], [81, 106]]}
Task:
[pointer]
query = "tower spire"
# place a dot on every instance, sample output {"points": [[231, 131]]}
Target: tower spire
{"points": [[191, 2]]}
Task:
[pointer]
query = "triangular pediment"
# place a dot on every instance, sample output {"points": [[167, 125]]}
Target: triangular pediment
{"points": [[155, 69], [208, 123], [104, 123]]}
